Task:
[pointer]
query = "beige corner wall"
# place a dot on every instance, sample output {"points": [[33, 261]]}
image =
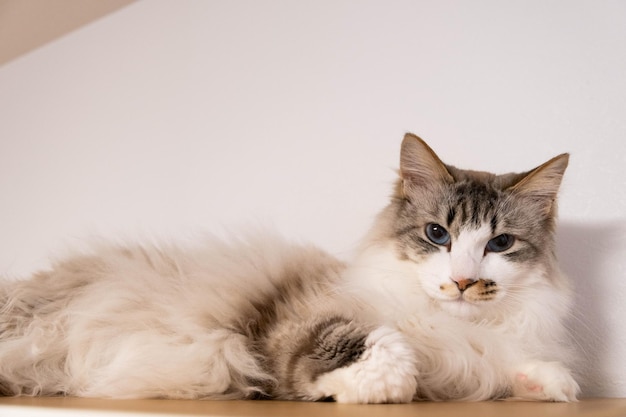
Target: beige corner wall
{"points": [[28, 24]]}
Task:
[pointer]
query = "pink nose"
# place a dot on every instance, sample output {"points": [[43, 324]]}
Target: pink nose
{"points": [[463, 283]]}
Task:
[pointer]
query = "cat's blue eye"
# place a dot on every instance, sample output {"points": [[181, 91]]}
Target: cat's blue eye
{"points": [[500, 243], [437, 234]]}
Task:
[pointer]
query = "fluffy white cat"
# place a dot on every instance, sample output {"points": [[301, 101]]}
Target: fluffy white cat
{"points": [[455, 295]]}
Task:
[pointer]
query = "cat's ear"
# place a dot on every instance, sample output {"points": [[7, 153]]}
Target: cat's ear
{"points": [[542, 183], [420, 166]]}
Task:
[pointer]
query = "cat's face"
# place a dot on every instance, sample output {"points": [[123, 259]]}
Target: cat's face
{"points": [[475, 238]]}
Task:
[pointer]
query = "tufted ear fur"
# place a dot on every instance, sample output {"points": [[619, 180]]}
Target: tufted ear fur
{"points": [[542, 183], [420, 166]]}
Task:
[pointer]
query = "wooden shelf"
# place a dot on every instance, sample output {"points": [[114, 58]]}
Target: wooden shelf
{"points": [[34, 407]]}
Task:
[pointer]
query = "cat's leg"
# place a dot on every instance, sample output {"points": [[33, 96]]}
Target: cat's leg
{"points": [[544, 381], [351, 363], [385, 372]]}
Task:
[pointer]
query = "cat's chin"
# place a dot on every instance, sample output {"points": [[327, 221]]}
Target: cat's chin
{"points": [[460, 308]]}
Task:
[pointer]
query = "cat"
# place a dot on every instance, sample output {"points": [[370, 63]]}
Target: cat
{"points": [[455, 294]]}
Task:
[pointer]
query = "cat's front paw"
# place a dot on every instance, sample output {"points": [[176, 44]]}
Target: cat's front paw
{"points": [[385, 373], [544, 381]]}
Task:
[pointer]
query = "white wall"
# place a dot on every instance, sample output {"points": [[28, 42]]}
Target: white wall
{"points": [[168, 118]]}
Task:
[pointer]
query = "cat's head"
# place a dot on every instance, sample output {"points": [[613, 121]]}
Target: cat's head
{"points": [[475, 238]]}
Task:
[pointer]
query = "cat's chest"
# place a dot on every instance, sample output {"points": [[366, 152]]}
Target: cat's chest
{"points": [[430, 325], [457, 337]]}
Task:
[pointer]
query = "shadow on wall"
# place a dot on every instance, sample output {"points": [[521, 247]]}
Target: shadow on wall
{"points": [[586, 252]]}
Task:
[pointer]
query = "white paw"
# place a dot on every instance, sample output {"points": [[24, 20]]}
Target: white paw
{"points": [[385, 373], [544, 381]]}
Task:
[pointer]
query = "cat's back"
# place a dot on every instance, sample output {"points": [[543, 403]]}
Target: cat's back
{"points": [[213, 276], [246, 265]]}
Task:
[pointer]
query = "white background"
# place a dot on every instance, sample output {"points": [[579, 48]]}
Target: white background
{"points": [[168, 119]]}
